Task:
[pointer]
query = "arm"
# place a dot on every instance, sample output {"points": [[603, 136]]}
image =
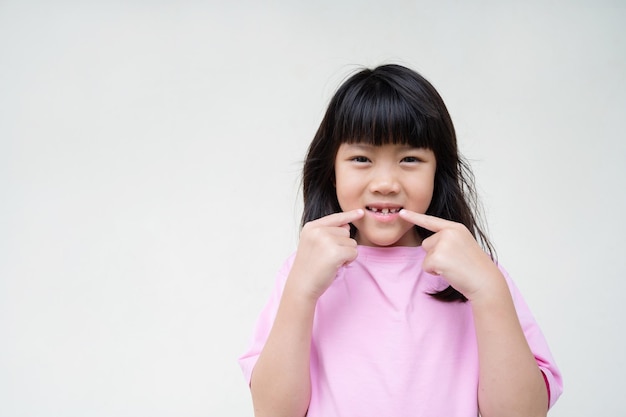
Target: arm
{"points": [[281, 382], [510, 381]]}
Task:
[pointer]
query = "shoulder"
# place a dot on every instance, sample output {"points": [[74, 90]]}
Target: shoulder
{"points": [[285, 268], [515, 292]]}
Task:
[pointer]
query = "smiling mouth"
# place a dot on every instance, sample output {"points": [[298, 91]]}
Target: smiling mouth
{"points": [[386, 210]]}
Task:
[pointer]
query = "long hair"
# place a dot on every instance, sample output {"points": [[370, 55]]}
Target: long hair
{"points": [[393, 104]]}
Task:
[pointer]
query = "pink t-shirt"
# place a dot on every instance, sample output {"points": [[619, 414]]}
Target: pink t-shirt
{"points": [[381, 346]]}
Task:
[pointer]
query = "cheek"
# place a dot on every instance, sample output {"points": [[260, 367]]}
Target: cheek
{"points": [[427, 194], [422, 196], [346, 191], [346, 197]]}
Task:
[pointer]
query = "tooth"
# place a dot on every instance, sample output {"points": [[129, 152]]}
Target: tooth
{"points": [[385, 211]]}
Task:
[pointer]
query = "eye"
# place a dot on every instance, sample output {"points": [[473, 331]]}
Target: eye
{"points": [[360, 159], [411, 159]]}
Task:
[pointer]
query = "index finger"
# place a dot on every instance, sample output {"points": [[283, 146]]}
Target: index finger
{"points": [[432, 223], [341, 218]]}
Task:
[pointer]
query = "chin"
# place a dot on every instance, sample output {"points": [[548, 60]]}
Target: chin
{"points": [[383, 242], [408, 238]]}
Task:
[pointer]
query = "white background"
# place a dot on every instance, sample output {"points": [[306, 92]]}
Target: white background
{"points": [[149, 171]]}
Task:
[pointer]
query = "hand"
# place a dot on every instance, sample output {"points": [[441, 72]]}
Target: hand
{"points": [[453, 253], [325, 246]]}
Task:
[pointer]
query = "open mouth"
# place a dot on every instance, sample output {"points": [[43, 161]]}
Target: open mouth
{"points": [[384, 210]]}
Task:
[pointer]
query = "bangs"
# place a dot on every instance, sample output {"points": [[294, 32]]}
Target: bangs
{"points": [[375, 113]]}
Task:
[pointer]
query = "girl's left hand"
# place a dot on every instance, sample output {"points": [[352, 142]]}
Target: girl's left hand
{"points": [[453, 253]]}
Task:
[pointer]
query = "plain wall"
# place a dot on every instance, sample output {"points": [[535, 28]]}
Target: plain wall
{"points": [[150, 155]]}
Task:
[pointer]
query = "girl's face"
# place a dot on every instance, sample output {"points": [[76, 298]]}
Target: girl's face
{"points": [[382, 180]]}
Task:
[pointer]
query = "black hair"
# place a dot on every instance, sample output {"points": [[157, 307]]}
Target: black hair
{"points": [[393, 104]]}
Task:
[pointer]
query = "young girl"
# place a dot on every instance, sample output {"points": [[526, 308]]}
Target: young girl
{"points": [[392, 304]]}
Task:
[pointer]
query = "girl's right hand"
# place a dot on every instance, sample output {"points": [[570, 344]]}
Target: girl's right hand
{"points": [[325, 246]]}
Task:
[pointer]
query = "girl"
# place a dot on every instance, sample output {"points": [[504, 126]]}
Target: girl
{"points": [[390, 306]]}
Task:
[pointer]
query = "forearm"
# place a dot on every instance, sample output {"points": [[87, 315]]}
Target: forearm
{"points": [[281, 384], [281, 379], [510, 382]]}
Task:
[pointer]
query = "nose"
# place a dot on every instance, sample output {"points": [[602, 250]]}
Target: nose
{"points": [[384, 181]]}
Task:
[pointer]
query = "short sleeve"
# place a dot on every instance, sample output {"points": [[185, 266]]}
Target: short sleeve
{"points": [[536, 342], [264, 323]]}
